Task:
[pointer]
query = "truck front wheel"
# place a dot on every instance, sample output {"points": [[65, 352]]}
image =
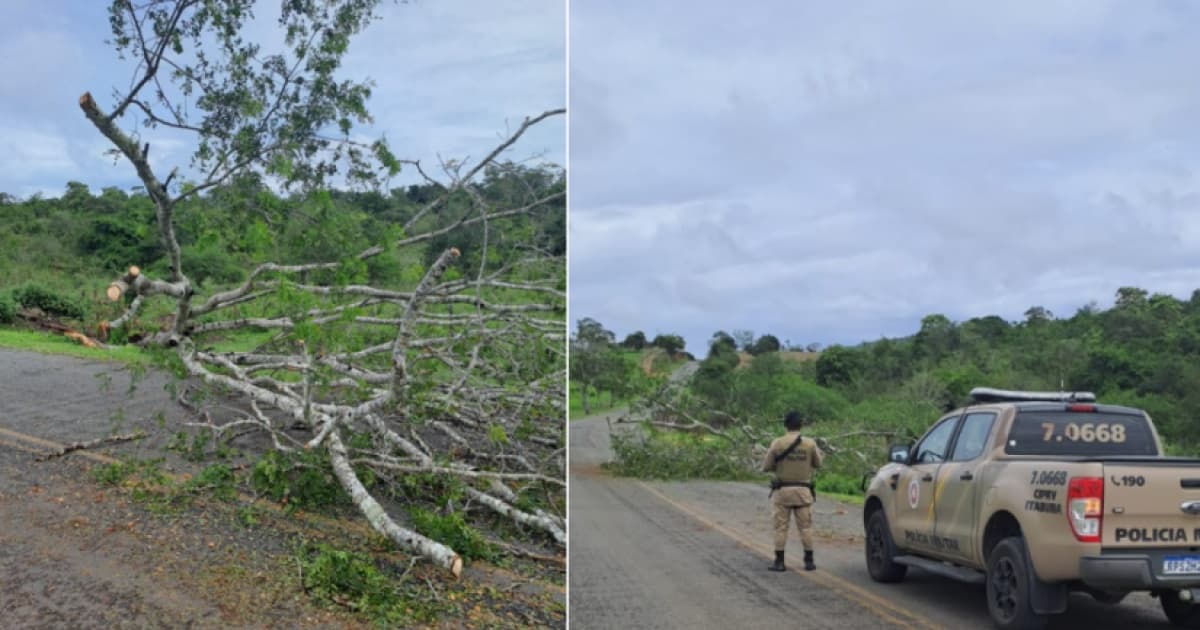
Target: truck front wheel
{"points": [[1182, 614], [1008, 587], [881, 550]]}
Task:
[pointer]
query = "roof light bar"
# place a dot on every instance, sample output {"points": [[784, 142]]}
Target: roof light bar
{"points": [[988, 394]]}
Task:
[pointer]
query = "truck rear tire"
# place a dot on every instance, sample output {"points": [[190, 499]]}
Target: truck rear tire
{"points": [[880, 550], [1182, 614], [1008, 587]]}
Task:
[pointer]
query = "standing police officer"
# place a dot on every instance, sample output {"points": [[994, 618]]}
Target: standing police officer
{"points": [[793, 458]]}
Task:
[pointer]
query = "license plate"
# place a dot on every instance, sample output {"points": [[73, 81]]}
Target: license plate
{"points": [[1178, 565]]}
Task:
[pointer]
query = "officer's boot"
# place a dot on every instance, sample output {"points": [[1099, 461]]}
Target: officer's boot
{"points": [[808, 560], [778, 566]]}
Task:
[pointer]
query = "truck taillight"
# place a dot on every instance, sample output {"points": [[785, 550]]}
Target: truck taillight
{"points": [[1082, 408], [1085, 507]]}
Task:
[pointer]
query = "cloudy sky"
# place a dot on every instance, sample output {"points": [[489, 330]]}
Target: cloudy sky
{"points": [[833, 171], [451, 77]]}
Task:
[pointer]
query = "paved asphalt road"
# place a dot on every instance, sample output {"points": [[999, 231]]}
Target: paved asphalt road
{"points": [[694, 555]]}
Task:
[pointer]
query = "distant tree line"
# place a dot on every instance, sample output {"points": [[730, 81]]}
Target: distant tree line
{"points": [[1143, 351], [97, 234]]}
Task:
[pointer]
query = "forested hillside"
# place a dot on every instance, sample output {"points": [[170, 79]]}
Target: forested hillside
{"points": [[314, 287], [329, 342], [1142, 351], [75, 244]]}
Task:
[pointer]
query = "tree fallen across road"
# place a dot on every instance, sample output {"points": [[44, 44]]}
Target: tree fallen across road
{"points": [[460, 372]]}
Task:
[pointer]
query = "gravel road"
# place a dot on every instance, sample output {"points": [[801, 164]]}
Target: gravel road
{"points": [[694, 554]]}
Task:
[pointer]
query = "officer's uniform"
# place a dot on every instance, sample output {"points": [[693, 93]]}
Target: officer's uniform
{"points": [[797, 467]]}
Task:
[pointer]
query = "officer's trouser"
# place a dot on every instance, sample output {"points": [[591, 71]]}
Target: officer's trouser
{"points": [[789, 501]]}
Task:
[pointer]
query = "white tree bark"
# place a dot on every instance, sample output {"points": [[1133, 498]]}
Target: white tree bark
{"points": [[525, 518], [442, 555]]}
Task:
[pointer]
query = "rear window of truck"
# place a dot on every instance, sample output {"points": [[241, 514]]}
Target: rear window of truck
{"points": [[1079, 433]]}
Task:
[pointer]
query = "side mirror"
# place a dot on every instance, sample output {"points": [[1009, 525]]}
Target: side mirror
{"points": [[898, 453]]}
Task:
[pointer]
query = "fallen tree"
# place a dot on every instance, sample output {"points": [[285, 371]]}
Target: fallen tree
{"points": [[457, 374], [683, 435]]}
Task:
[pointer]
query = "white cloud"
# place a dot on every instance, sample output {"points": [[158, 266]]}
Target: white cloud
{"points": [[450, 75], [834, 172], [31, 153]]}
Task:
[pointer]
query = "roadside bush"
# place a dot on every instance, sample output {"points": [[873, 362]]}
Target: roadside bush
{"points": [[211, 264], [33, 295], [8, 309], [838, 483]]}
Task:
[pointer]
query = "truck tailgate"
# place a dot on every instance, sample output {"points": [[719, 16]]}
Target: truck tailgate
{"points": [[1151, 502]]}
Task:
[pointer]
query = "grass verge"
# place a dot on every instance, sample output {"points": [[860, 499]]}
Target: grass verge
{"points": [[597, 403], [46, 343]]}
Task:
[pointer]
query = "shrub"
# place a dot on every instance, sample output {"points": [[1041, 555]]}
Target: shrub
{"points": [[8, 309], [815, 402], [838, 483], [209, 263], [33, 295]]}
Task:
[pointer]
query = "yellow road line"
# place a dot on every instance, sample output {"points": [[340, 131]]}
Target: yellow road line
{"points": [[883, 608]]}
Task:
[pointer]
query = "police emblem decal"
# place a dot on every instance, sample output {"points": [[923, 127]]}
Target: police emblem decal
{"points": [[914, 493]]}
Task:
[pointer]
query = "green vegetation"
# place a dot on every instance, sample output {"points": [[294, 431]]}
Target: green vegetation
{"points": [[665, 455], [596, 365], [8, 309], [599, 402], [33, 295], [47, 343], [116, 473], [254, 276], [454, 531], [151, 486], [1142, 352], [194, 447], [216, 479], [335, 577], [59, 254], [301, 479], [365, 577], [624, 382], [606, 375]]}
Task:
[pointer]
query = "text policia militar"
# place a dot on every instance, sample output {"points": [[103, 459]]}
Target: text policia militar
{"points": [[1155, 534]]}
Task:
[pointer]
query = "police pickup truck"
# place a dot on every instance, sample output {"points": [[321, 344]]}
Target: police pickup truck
{"points": [[1036, 494]]}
